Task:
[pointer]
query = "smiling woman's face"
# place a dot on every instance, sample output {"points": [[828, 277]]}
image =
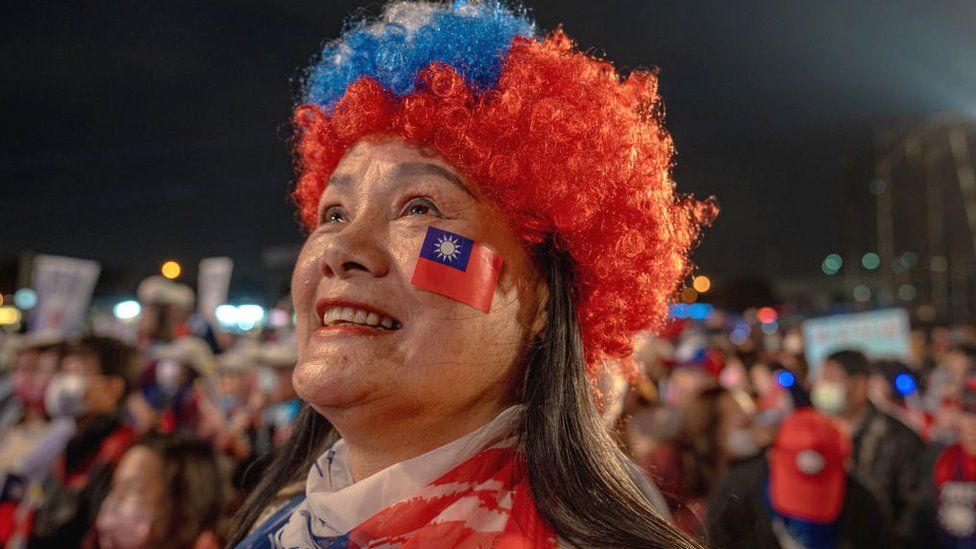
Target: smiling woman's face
{"points": [[369, 341]]}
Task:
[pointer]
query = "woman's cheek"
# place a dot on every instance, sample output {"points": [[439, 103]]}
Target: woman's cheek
{"points": [[404, 248], [305, 279], [405, 241]]}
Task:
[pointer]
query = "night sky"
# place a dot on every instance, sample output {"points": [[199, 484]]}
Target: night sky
{"points": [[134, 132]]}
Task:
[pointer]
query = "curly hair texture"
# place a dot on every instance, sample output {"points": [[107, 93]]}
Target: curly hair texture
{"points": [[472, 37], [569, 151]]}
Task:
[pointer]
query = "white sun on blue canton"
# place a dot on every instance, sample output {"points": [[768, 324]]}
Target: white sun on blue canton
{"points": [[447, 248]]}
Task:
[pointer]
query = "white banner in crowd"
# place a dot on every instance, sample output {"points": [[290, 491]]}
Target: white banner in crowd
{"points": [[878, 334], [64, 287], [213, 283]]}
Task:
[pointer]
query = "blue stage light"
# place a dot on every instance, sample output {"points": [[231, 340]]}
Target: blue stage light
{"points": [[905, 384], [785, 379]]}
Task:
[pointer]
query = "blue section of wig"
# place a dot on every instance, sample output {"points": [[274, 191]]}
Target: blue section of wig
{"points": [[472, 37]]}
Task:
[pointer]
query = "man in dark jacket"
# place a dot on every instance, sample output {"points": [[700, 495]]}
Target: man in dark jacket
{"points": [[885, 450], [798, 495]]}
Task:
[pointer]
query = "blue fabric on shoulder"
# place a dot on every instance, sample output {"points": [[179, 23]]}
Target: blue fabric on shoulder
{"points": [[261, 537]]}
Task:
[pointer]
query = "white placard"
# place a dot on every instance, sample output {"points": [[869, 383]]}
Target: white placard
{"points": [[213, 283], [878, 334], [64, 287]]}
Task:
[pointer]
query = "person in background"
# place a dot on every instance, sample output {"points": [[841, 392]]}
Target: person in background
{"points": [[96, 376], [277, 400], [797, 495], [770, 395], [945, 385], [169, 400], [26, 430], [226, 413], [885, 450], [234, 379], [949, 375], [229, 412], [613, 390], [166, 308], [678, 386], [715, 433], [961, 359], [36, 360], [643, 414], [28, 378], [167, 492], [948, 512], [895, 388]]}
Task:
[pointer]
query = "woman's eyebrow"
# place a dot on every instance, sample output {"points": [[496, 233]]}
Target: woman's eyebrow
{"points": [[343, 180], [409, 169]]}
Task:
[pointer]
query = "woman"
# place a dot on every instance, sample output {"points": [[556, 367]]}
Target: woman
{"points": [[490, 217], [715, 433], [168, 491]]}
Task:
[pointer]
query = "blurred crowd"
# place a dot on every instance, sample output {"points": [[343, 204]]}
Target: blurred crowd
{"points": [[753, 447], [148, 437], [151, 434]]}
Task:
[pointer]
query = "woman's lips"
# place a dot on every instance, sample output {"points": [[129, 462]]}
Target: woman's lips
{"points": [[347, 330]]}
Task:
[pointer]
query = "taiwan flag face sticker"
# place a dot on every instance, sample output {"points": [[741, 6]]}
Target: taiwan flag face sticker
{"points": [[457, 267]]}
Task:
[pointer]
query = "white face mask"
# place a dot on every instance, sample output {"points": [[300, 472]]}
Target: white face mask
{"points": [[741, 443], [65, 395], [169, 374], [829, 398]]}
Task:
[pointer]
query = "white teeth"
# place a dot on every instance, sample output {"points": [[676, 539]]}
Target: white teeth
{"points": [[360, 317], [335, 315]]}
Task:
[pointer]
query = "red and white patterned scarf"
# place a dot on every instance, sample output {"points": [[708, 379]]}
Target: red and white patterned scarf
{"points": [[482, 500]]}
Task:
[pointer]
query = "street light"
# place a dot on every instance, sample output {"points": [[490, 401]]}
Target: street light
{"points": [[126, 310], [702, 284], [171, 269]]}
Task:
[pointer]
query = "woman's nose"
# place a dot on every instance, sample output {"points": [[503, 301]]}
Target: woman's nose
{"points": [[357, 249]]}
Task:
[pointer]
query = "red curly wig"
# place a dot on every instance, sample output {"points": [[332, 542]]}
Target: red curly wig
{"points": [[569, 151]]}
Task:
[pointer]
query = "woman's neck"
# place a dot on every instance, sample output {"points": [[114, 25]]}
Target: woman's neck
{"points": [[380, 442]]}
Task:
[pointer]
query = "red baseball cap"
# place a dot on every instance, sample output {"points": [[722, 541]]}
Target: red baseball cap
{"points": [[807, 478]]}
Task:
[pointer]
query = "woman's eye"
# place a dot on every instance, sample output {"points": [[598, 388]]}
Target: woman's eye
{"points": [[421, 206], [333, 214]]}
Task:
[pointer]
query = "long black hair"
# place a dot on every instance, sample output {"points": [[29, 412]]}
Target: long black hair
{"points": [[580, 479], [195, 493]]}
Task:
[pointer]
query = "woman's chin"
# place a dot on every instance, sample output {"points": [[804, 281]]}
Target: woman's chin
{"points": [[332, 383]]}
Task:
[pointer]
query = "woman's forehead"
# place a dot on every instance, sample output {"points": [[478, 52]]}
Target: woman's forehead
{"points": [[386, 151], [137, 463], [390, 158]]}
